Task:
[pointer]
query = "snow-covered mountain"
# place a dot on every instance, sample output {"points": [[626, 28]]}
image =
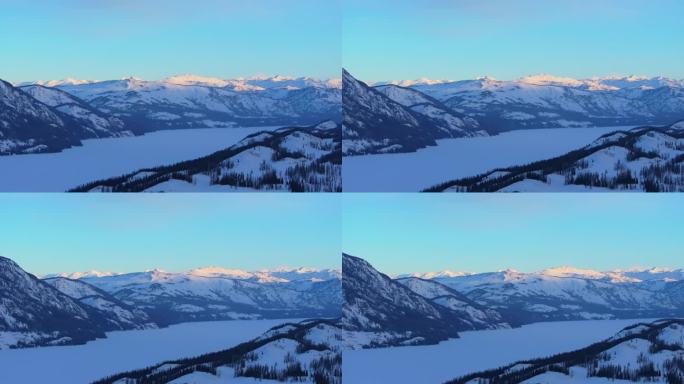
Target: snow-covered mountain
{"points": [[451, 123], [645, 352], [545, 101], [640, 159], [34, 312], [395, 119], [93, 121], [408, 312], [573, 294], [216, 293], [120, 315], [296, 159], [475, 315], [190, 101], [30, 126], [308, 352]]}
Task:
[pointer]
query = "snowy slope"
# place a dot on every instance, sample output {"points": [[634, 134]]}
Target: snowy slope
{"points": [[641, 159], [651, 352], [93, 121], [33, 312], [548, 101], [373, 302], [309, 352], [451, 123], [29, 126], [375, 123], [216, 293], [118, 315], [478, 316], [297, 159]]}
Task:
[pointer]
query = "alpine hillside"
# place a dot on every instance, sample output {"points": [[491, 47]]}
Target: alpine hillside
{"points": [[28, 125], [646, 352], [394, 119], [408, 313], [291, 352], [295, 159], [644, 159], [33, 312]]}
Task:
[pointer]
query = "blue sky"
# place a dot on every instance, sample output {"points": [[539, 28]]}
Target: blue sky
{"points": [[48, 233], [462, 39], [401, 233], [152, 39]]}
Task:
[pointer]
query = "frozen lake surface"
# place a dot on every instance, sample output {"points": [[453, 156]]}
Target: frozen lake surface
{"points": [[457, 158], [104, 158], [125, 350], [474, 351]]}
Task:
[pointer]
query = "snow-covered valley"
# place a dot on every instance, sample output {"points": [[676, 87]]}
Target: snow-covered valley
{"points": [[473, 351], [460, 157], [125, 350], [109, 157]]}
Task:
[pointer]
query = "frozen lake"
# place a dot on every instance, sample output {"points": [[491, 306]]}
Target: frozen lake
{"points": [[457, 158], [125, 350], [473, 352], [103, 158]]}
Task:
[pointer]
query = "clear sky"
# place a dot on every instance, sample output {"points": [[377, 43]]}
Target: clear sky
{"points": [[402, 233], [47, 233], [152, 39], [464, 39]]}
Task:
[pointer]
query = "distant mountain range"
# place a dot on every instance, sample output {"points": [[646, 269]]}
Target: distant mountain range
{"points": [[644, 159], [545, 101], [645, 352], [571, 294], [295, 159], [494, 106], [54, 115], [430, 307], [63, 310]]}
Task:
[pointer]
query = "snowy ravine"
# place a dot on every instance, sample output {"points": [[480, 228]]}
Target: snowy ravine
{"points": [[295, 159], [640, 159], [652, 352]]}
